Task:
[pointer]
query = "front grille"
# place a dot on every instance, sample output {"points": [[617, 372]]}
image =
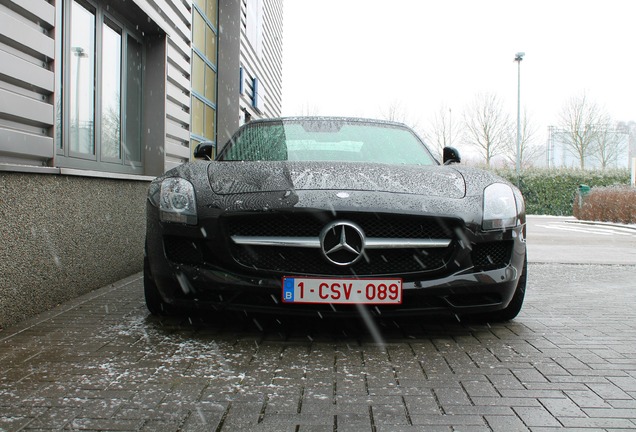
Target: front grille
{"points": [[287, 260], [492, 254], [376, 262], [183, 250], [310, 224]]}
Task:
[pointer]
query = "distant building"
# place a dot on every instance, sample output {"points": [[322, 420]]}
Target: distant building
{"points": [[616, 153], [97, 97]]}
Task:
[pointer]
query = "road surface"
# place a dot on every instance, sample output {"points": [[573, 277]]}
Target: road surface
{"points": [[568, 241]]}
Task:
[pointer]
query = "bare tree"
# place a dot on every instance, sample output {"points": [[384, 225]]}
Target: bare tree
{"points": [[111, 130], [579, 120], [442, 133], [394, 111], [528, 149], [487, 126], [308, 109]]}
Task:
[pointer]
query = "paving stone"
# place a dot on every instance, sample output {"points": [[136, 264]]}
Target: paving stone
{"points": [[457, 421], [104, 424], [604, 423], [536, 417], [505, 423], [101, 362], [15, 423]]}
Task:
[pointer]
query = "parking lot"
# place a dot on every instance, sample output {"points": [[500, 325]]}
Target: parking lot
{"points": [[101, 362]]}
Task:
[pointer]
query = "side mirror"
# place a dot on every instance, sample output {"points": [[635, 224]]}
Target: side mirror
{"points": [[451, 155], [204, 150]]}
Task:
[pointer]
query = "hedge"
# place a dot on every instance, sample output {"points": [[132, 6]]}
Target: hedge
{"points": [[608, 204], [553, 191]]}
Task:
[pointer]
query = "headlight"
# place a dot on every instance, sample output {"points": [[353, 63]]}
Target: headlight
{"points": [[500, 209], [154, 191], [177, 202]]}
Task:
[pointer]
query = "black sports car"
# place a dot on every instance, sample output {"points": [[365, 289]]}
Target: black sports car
{"points": [[321, 215]]}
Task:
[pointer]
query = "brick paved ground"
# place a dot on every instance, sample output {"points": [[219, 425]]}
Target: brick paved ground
{"points": [[101, 363]]}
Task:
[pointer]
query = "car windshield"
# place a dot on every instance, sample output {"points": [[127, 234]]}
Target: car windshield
{"points": [[327, 140]]}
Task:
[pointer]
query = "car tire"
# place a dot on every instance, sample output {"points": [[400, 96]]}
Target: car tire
{"points": [[154, 302], [514, 307]]}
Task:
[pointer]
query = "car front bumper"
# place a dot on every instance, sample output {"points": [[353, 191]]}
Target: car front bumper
{"points": [[465, 292], [461, 289]]}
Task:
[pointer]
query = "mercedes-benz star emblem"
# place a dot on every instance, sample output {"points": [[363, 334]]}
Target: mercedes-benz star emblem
{"points": [[342, 242]]}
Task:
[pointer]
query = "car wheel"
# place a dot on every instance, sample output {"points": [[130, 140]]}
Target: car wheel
{"points": [[514, 307], [154, 302]]}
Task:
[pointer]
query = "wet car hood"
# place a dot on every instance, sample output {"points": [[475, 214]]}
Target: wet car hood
{"points": [[227, 178]]}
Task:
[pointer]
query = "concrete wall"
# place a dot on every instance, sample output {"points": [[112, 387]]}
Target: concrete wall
{"points": [[228, 83], [62, 236]]}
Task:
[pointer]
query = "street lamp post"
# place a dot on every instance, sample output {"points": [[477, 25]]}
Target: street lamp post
{"points": [[450, 127], [79, 53], [518, 58]]}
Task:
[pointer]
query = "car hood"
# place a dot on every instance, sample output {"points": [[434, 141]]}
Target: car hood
{"points": [[228, 178]]}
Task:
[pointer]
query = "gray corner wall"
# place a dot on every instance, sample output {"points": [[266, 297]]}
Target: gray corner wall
{"points": [[63, 236], [228, 70]]}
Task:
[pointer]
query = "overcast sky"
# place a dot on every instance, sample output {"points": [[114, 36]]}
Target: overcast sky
{"points": [[356, 57]]}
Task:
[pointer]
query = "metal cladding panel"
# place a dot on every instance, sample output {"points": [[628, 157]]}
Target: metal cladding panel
{"points": [[23, 34], [178, 78], [39, 11], [25, 73], [180, 59], [20, 144], [178, 132], [181, 116], [162, 13], [25, 109], [26, 82], [261, 57]]}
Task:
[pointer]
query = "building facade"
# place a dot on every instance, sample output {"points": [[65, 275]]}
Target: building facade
{"points": [[98, 97], [606, 147]]}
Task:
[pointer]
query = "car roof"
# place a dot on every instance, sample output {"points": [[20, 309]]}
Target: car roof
{"points": [[295, 119]]}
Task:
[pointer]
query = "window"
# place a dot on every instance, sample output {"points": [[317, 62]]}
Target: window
{"points": [[82, 115], [111, 100], [102, 102], [327, 140], [204, 71]]}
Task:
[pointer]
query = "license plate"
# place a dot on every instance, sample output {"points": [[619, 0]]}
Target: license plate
{"points": [[342, 291]]}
